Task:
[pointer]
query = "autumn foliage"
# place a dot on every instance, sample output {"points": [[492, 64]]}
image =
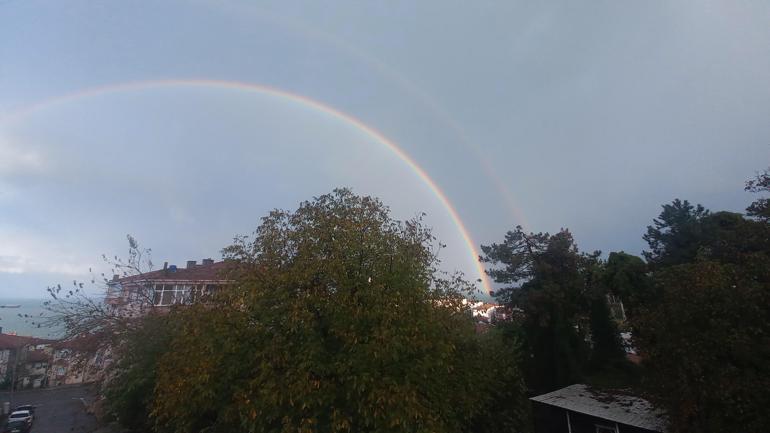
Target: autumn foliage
{"points": [[337, 322]]}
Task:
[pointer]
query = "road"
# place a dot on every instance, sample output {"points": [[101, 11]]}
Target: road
{"points": [[59, 410]]}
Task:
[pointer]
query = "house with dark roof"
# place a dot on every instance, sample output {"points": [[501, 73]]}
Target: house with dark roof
{"points": [[169, 286], [582, 409]]}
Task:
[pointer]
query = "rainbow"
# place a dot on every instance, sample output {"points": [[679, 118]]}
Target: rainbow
{"points": [[313, 33], [279, 93]]}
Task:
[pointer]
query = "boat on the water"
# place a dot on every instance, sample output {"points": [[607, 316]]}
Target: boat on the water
{"points": [[10, 306]]}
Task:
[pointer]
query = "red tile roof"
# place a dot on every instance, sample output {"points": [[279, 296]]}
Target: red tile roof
{"points": [[84, 343], [210, 272], [8, 341]]}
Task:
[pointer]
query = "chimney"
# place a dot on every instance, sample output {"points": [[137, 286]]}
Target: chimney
{"points": [[191, 264], [207, 262], [165, 268], [115, 277]]}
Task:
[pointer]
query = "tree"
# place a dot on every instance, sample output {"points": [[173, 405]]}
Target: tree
{"points": [[567, 328], [546, 278], [684, 234], [506, 407], [675, 235], [707, 345], [606, 348], [129, 393], [83, 315], [133, 337], [338, 322], [705, 336], [626, 276], [760, 208]]}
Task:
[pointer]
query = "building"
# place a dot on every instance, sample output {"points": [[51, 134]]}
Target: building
{"points": [[617, 310], [168, 286], [73, 362], [79, 360], [24, 361], [582, 409]]}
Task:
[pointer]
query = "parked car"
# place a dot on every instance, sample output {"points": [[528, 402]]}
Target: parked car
{"points": [[19, 426], [23, 415], [28, 407], [19, 420]]}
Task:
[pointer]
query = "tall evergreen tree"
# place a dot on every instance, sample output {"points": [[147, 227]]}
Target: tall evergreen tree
{"points": [[543, 274], [674, 236]]}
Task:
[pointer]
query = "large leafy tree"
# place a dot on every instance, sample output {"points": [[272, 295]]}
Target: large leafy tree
{"points": [[337, 322], [707, 346], [705, 335], [130, 389]]}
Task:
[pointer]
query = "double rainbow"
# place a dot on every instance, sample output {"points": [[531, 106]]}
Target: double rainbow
{"points": [[300, 99]]}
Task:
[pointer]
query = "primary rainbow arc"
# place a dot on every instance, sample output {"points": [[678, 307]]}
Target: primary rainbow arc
{"points": [[300, 99]]}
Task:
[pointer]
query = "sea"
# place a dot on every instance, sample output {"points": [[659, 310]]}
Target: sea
{"points": [[26, 319]]}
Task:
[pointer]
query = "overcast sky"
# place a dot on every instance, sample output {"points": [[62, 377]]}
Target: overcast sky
{"points": [[546, 114]]}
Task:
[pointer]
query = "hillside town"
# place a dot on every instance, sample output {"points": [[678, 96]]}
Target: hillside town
{"points": [[34, 363], [31, 362]]}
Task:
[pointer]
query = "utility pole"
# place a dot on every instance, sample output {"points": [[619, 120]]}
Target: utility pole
{"points": [[13, 376], [13, 373]]}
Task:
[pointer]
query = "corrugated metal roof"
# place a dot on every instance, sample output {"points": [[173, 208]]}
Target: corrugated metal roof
{"points": [[613, 406]]}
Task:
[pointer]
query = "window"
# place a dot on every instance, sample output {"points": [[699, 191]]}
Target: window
{"points": [[604, 428], [197, 293], [167, 298], [156, 294], [182, 295], [170, 294]]}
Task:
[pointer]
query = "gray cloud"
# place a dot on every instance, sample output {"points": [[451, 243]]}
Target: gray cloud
{"points": [[592, 115]]}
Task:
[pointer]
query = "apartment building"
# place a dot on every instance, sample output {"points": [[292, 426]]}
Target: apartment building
{"points": [[169, 286]]}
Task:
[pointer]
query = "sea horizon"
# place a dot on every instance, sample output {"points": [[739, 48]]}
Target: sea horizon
{"points": [[25, 320]]}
